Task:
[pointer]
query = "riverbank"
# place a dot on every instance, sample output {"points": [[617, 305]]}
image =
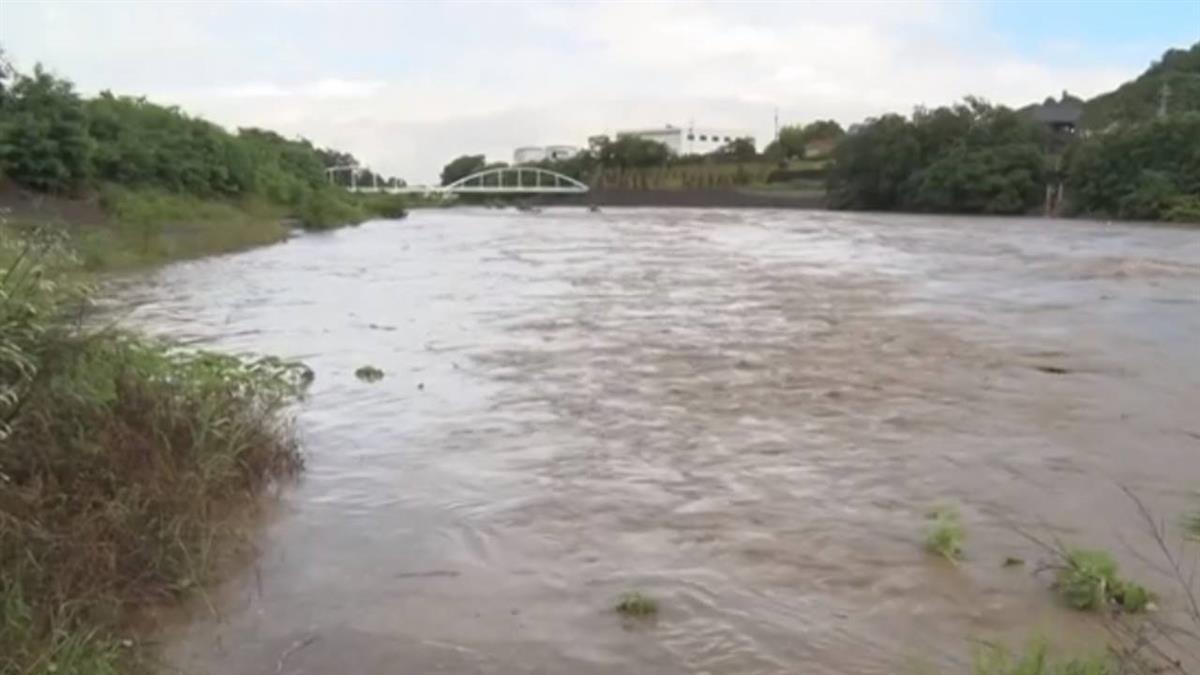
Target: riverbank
{"points": [[719, 198], [117, 228], [127, 465]]}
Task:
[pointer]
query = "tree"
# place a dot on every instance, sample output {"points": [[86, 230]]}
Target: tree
{"points": [[971, 157], [739, 149], [871, 165], [462, 167], [7, 74], [1145, 171], [44, 142], [628, 152], [793, 139]]}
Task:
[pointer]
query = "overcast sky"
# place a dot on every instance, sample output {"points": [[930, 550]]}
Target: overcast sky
{"points": [[406, 86]]}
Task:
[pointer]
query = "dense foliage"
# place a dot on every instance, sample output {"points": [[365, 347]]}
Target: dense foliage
{"points": [[972, 157], [793, 139], [461, 167], [53, 140], [1148, 171]]}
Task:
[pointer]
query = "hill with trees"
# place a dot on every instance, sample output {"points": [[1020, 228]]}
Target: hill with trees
{"points": [[149, 166], [1170, 85]]}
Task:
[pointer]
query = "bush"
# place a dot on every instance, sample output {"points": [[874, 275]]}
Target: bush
{"points": [[1089, 580], [43, 134], [637, 604], [327, 208], [123, 465], [946, 535], [383, 205]]}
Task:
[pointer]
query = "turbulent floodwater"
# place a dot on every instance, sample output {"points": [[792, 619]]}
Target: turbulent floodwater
{"points": [[746, 414]]}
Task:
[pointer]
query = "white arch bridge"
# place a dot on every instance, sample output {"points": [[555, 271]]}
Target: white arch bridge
{"points": [[508, 180]]}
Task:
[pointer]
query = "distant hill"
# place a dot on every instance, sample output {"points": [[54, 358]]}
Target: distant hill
{"points": [[1139, 99]]}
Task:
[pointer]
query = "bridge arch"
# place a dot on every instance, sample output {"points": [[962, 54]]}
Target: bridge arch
{"points": [[515, 179]]}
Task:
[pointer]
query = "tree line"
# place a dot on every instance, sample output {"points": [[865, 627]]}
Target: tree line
{"points": [[1134, 154], [54, 140]]}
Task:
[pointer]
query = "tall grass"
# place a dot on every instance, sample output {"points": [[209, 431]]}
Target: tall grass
{"points": [[125, 464], [1037, 660], [150, 226]]}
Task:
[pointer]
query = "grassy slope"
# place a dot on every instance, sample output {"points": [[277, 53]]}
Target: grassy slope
{"points": [[120, 228]]}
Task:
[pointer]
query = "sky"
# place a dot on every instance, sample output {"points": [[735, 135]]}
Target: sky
{"points": [[408, 86]]}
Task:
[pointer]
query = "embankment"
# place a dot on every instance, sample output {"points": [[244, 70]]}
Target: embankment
{"points": [[733, 198]]}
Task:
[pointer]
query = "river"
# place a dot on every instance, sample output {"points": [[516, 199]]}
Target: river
{"points": [[744, 414]]}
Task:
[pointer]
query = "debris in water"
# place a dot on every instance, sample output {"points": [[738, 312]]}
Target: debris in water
{"points": [[296, 646], [369, 374], [1053, 370], [634, 603], [1010, 561]]}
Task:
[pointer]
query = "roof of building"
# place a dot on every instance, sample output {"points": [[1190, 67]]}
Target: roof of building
{"points": [[1066, 111]]}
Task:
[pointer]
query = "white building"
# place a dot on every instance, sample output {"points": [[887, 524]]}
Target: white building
{"points": [[557, 152], [536, 153], [529, 154], [690, 141]]}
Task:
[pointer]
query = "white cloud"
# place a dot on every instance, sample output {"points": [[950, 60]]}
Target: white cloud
{"points": [[407, 86]]}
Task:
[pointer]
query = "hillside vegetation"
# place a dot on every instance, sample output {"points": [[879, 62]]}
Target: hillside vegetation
{"points": [[171, 184], [1141, 99], [1129, 161]]}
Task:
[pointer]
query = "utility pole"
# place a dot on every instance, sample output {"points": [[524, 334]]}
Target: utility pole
{"points": [[1163, 96], [777, 123]]}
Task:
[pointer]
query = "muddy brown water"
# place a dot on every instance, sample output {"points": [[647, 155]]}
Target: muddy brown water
{"points": [[744, 414]]}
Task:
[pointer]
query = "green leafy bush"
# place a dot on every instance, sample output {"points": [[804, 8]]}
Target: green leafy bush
{"points": [[636, 604], [1090, 580], [946, 535]]}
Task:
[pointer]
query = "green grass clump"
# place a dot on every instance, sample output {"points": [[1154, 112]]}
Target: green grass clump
{"points": [[329, 207], [126, 465], [1036, 660], [383, 205], [1089, 580], [369, 374], [946, 535], [635, 603]]}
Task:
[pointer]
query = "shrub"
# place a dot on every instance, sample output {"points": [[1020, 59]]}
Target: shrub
{"points": [[369, 374], [635, 603], [123, 466], [1089, 580], [327, 208], [946, 535]]}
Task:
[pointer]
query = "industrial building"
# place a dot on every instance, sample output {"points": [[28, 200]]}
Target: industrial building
{"points": [[689, 141]]}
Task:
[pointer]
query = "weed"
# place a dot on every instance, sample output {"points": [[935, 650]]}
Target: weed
{"points": [[369, 374], [149, 226], [1089, 580], [946, 535], [1036, 660], [635, 603]]}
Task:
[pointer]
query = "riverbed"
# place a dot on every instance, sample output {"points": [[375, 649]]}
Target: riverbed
{"points": [[745, 414]]}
